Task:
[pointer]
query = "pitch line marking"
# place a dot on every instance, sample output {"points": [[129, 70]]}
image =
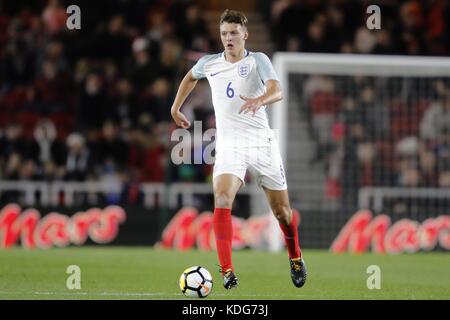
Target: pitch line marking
{"points": [[137, 294]]}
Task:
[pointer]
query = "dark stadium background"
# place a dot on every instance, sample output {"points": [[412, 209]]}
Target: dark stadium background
{"points": [[103, 95]]}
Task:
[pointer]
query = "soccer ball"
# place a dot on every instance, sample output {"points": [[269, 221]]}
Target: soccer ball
{"points": [[196, 282]]}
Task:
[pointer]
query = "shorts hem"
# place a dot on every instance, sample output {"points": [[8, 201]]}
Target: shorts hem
{"points": [[271, 188], [232, 173]]}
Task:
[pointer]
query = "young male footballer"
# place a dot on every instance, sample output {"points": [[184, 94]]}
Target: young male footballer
{"points": [[242, 84]]}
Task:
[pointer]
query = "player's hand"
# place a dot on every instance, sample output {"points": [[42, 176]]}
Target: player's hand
{"points": [[250, 105], [180, 119]]}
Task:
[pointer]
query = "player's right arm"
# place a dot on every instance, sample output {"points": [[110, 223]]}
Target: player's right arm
{"points": [[186, 86]]}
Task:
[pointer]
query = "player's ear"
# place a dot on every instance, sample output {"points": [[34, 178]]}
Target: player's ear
{"points": [[245, 35]]}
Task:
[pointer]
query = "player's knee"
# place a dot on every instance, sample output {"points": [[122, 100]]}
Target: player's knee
{"points": [[223, 200], [283, 213]]}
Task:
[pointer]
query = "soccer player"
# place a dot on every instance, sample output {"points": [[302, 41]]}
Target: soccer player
{"points": [[242, 84]]}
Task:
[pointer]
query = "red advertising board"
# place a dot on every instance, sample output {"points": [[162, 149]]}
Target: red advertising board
{"points": [[55, 229], [364, 232], [190, 229]]}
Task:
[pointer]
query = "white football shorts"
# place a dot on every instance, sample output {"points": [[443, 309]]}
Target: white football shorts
{"points": [[264, 163]]}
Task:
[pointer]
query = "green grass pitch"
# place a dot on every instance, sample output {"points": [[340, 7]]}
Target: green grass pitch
{"points": [[146, 273]]}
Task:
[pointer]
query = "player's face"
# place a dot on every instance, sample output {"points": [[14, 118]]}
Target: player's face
{"points": [[233, 37]]}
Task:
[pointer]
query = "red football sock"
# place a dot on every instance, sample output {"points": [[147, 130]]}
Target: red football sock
{"points": [[223, 231], [291, 238]]}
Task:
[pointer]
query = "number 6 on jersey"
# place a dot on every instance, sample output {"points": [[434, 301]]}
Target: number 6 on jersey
{"points": [[230, 91]]}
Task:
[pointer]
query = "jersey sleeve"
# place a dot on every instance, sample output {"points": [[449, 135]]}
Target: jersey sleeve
{"points": [[264, 67], [198, 70]]}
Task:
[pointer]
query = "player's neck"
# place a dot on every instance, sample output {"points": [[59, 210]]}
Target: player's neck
{"points": [[235, 57]]}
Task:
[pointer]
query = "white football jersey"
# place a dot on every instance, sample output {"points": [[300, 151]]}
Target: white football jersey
{"points": [[230, 80]]}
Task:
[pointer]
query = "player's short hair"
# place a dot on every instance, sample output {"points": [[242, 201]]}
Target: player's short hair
{"points": [[232, 16]]}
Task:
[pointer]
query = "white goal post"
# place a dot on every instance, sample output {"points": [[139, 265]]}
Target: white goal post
{"points": [[345, 64], [339, 66]]}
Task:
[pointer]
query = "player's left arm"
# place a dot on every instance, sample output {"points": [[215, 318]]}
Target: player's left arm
{"points": [[272, 95], [272, 85]]}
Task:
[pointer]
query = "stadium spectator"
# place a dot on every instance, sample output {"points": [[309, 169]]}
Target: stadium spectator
{"points": [[143, 70], [406, 161], [192, 29], [324, 103], [410, 31], [79, 160], [18, 63], [146, 153], [365, 40], [52, 90], [315, 40], [428, 169], [155, 99], [170, 58], [442, 150], [436, 118], [14, 143], [93, 105], [49, 152], [336, 26], [54, 17], [384, 43], [111, 150], [54, 53], [115, 42], [444, 179], [351, 177], [124, 109]]}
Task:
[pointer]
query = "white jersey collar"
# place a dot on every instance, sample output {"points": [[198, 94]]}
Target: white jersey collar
{"points": [[246, 53]]}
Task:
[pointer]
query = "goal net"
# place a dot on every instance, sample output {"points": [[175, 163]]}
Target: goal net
{"points": [[363, 132]]}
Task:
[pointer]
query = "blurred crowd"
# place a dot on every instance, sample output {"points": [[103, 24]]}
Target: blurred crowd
{"points": [[408, 27], [93, 104], [372, 131], [379, 131]]}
